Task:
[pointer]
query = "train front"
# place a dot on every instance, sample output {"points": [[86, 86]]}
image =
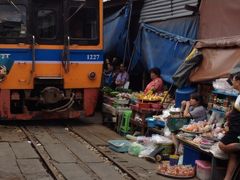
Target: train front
{"points": [[50, 58]]}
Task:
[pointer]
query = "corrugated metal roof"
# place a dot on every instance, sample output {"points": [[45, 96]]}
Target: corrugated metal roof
{"points": [[159, 10]]}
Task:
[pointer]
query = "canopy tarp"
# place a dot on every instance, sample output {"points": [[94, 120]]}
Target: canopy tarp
{"points": [[219, 20], [115, 31], [181, 77], [217, 63], [165, 45]]}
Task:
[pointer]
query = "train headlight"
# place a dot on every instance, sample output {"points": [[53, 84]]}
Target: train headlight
{"points": [[92, 75]]}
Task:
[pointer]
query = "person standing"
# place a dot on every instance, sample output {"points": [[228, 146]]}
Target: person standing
{"points": [[230, 143], [108, 75]]}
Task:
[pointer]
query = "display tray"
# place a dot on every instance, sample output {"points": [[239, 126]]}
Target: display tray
{"points": [[142, 100], [211, 138], [191, 132], [178, 177]]}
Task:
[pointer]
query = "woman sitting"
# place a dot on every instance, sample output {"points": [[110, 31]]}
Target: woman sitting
{"points": [[194, 108], [156, 85]]}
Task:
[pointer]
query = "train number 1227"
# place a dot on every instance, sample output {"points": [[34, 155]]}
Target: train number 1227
{"points": [[93, 57]]}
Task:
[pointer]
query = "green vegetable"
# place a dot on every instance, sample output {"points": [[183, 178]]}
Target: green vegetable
{"points": [[107, 90], [114, 93], [123, 90]]}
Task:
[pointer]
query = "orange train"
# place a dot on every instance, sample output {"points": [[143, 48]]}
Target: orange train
{"points": [[51, 57]]}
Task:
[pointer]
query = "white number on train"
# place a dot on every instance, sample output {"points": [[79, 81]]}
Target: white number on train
{"points": [[93, 57]]}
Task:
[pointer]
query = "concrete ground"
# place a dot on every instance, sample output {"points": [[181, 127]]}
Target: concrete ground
{"points": [[72, 150]]}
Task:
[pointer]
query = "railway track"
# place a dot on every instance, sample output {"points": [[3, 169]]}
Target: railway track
{"points": [[50, 163], [51, 169], [106, 154], [73, 149]]}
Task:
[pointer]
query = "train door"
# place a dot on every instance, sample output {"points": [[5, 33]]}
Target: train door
{"points": [[82, 43], [47, 37]]}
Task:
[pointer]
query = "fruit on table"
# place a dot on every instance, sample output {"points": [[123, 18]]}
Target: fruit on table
{"points": [[151, 97], [177, 170], [199, 127]]}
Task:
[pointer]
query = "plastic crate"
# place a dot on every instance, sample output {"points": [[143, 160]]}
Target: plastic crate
{"points": [[144, 105], [203, 170], [160, 123], [175, 124], [156, 105], [122, 101], [150, 122], [190, 155], [168, 149], [119, 145]]}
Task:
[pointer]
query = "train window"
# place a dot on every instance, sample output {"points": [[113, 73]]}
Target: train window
{"points": [[46, 26], [12, 21], [84, 25]]}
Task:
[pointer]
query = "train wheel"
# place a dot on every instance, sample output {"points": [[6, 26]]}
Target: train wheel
{"points": [[158, 158]]}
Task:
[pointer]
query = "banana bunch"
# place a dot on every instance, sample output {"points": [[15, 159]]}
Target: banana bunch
{"points": [[150, 96]]}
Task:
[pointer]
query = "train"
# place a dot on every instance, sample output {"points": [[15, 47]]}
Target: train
{"points": [[51, 58]]}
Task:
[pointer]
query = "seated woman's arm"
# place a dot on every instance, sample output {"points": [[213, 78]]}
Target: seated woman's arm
{"points": [[187, 110]]}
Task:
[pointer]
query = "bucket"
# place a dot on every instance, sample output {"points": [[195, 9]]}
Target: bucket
{"points": [[183, 94], [173, 160]]}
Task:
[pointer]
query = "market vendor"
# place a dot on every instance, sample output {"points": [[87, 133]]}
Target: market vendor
{"points": [[122, 77], [194, 108], [108, 75], [230, 143], [156, 85]]}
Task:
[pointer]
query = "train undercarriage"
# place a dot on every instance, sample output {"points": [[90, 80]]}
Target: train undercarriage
{"points": [[48, 100]]}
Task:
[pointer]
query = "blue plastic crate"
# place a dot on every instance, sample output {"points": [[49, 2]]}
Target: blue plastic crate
{"points": [[151, 122], [160, 123], [119, 145], [190, 155]]}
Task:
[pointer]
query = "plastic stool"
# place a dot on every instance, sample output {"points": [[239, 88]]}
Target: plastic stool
{"points": [[126, 116]]}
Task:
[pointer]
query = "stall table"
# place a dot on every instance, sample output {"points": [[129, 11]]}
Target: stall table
{"points": [[144, 113], [190, 144], [111, 112]]}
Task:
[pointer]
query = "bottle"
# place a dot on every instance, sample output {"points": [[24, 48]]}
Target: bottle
{"points": [[225, 103], [214, 99]]}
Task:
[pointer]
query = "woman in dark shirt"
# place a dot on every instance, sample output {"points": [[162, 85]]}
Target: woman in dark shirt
{"points": [[230, 143]]}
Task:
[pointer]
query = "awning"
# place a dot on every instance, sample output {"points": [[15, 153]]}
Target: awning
{"points": [[217, 63], [115, 31], [219, 34], [165, 46], [219, 18]]}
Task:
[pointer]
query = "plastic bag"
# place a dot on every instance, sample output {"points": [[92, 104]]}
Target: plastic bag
{"points": [[135, 149], [158, 139], [147, 151], [166, 131]]}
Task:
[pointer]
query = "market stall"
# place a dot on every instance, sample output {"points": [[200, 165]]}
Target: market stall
{"points": [[146, 109], [199, 140]]}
